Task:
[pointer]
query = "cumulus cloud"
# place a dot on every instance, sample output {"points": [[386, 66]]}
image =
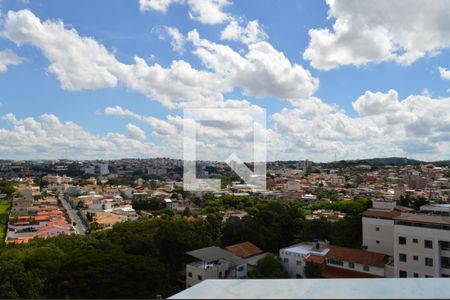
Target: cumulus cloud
{"points": [[7, 58], [157, 5], [379, 30], [229, 129], [386, 126], [135, 132], [445, 74], [177, 39], [48, 137], [250, 34], [262, 72], [204, 11], [82, 63]]}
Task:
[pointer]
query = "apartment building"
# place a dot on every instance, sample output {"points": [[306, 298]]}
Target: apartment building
{"points": [[294, 257], [422, 245], [214, 263], [378, 226]]}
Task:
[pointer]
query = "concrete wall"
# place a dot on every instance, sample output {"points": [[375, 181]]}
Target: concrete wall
{"points": [[418, 249], [384, 235]]}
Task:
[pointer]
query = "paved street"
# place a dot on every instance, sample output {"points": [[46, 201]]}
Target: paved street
{"points": [[79, 227]]}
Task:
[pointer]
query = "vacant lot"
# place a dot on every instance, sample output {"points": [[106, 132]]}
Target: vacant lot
{"points": [[4, 212]]}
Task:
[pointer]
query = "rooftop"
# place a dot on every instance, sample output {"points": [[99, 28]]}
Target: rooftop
{"points": [[357, 256], [244, 250], [381, 214], [210, 253], [307, 248], [422, 218], [372, 288]]}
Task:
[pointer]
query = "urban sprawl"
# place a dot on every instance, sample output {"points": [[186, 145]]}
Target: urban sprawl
{"points": [[347, 219]]}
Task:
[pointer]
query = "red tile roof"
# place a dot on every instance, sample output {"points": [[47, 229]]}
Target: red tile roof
{"points": [[333, 272], [357, 256], [381, 214], [244, 250], [315, 259]]}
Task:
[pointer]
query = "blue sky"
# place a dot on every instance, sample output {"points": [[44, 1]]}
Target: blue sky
{"points": [[30, 89]]}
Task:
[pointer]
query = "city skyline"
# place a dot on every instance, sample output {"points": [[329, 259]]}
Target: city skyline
{"points": [[353, 79]]}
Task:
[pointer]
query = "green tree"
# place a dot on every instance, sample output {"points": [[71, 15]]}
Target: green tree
{"points": [[270, 268], [313, 270]]}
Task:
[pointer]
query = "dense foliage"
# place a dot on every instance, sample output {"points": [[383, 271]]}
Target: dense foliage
{"points": [[144, 258], [269, 267]]}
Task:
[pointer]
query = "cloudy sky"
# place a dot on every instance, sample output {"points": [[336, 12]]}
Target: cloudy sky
{"points": [[111, 79]]}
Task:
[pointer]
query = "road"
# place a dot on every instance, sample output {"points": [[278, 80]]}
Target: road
{"points": [[74, 217]]}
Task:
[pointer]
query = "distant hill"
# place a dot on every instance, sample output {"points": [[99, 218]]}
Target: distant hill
{"points": [[394, 161]]}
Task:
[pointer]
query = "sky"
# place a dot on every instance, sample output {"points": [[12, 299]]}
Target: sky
{"points": [[113, 79]]}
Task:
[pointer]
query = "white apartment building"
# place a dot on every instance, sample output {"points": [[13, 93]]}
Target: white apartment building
{"points": [[422, 246], [294, 257], [378, 227], [419, 243]]}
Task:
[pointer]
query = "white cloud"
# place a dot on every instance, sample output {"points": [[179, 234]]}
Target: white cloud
{"points": [[177, 39], [379, 30], [262, 72], [204, 11], [78, 62], [7, 58], [158, 5], [50, 138], [82, 63], [208, 11], [135, 132], [387, 126], [250, 34], [445, 74]]}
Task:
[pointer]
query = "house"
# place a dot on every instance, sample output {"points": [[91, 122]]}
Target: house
{"points": [[336, 262], [342, 262], [214, 263], [249, 252]]}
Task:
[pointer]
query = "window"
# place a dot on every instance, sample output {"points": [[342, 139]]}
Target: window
{"points": [[199, 277], [299, 262], [377, 228], [335, 262], [445, 262], [428, 276], [351, 265], [402, 257], [402, 274], [445, 246], [415, 241], [428, 262], [285, 260], [377, 241], [298, 276], [240, 269], [366, 268], [415, 257], [220, 275], [416, 275], [402, 240], [190, 274], [428, 244]]}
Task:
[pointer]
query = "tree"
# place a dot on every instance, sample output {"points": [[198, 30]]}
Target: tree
{"points": [[313, 270], [404, 201], [420, 201], [270, 268]]}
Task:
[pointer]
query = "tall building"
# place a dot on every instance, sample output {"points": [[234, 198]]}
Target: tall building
{"points": [[422, 245]]}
